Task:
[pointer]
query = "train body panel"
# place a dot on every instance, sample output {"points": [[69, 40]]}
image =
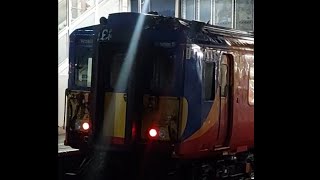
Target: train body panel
{"points": [[228, 125], [242, 137]]}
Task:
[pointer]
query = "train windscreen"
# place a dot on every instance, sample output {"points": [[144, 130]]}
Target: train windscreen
{"points": [[162, 73], [83, 66]]}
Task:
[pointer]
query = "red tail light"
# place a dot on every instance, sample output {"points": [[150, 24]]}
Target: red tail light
{"points": [[85, 126], [153, 132]]}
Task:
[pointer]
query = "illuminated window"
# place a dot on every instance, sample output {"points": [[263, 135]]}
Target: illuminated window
{"points": [[62, 14], [251, 86], [78, 7], [190, 9], [62, 48], [223, 13], [134, 5], [205, 10], [88, 21], [163, 7], [244, 15]]}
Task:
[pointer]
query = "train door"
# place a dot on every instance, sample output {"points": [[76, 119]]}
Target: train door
{"points": [[127, 82], [128, 78], [225, 80], [115, 104], [136, 88], [110, 79]]}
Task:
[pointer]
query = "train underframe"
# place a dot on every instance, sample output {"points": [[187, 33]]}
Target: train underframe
{"points": [[161, 166], [232, 167]]}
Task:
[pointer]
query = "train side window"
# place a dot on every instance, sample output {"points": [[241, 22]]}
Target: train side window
{"points": [[224, 76], [251, 86], [208, 77]]}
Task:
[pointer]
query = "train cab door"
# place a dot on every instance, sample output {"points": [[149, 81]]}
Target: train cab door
{"points": [[110, 80], [135, 91], [225, 82]]}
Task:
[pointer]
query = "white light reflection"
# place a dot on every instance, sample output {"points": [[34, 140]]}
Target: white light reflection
{"points": [[196, 50]]}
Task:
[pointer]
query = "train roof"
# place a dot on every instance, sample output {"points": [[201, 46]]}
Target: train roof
{"points": [[157, 27], [88, 30]]}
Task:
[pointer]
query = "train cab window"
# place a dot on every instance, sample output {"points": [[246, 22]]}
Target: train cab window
{"points": [[162, 73], [251, 86], [83, 69], [115, 69], [208, 80]]}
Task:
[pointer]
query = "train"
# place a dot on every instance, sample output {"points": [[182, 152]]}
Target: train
{"points": [[167, 87], [77, 116]]}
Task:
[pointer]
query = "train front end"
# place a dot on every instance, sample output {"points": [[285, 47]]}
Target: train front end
{"points": [[139, 75], [77, 115]]}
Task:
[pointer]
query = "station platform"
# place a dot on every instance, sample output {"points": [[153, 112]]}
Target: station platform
{"points": [[62, 149]]}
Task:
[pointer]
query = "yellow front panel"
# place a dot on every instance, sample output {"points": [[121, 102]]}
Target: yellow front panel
{"points": [[114, 115], [120, 116], [184, 115], [211, 119]]}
